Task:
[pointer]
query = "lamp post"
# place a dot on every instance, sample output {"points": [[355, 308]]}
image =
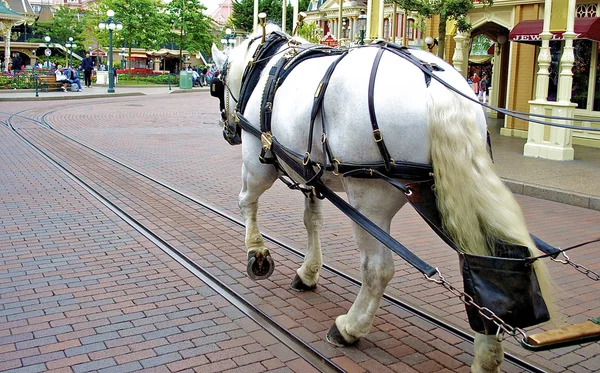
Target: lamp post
{"points": [[111, 25], [431, 42], [228, 39], [69, 44], [47, 52], [123, 54], [362, 27]]}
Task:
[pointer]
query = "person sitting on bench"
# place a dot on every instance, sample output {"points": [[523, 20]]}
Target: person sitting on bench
{"points": [[73, 77], [62, 78]]}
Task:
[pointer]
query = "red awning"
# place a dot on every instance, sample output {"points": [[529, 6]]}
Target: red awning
{"points": [[529, 31]]}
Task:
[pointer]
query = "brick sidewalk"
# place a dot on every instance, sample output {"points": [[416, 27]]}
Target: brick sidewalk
{"points": [[81, 291], [151, 134]]}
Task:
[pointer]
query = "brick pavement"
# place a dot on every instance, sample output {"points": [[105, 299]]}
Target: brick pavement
{"points": [[167, 134], [80, 291]]}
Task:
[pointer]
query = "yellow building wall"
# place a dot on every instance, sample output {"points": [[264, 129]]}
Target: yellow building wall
{"points": [[522, 70]]}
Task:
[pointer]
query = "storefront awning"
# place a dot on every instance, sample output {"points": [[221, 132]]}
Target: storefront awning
{"points": [[529, 31]]}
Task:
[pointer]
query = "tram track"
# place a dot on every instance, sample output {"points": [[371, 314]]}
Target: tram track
{"points": [[515, 360], [296, 344]]}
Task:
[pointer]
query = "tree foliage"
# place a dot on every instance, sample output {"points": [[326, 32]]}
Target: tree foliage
{"points": [[189, 26], [242, 17], [64, 24], [448, 10]]}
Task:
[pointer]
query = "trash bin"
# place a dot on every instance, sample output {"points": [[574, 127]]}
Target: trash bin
{"points": [[185, 80]]}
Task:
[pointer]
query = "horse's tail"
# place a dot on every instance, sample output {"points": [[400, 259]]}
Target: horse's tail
{"points": [[477, 208]]}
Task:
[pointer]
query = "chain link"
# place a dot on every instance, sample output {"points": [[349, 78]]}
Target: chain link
{"points": [[588, 272], [485, 312]]}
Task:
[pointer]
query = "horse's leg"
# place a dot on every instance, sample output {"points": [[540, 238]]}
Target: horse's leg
{"points": [[379, 202], [489, 354], [308, 274], [255, 181]]}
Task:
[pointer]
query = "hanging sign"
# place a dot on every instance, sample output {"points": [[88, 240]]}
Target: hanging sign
{"points": [[559, 15], [329, 40]]}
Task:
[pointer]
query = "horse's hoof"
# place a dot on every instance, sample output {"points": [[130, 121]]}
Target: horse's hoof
{"points": [[334, 336], [298, 285], [261, 267]]}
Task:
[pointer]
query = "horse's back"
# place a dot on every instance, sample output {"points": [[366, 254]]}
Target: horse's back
{"points": [[400, 106]]}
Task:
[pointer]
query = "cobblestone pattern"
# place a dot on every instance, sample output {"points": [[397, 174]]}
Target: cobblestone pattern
{"points": [[152, 135], [80, 291]]}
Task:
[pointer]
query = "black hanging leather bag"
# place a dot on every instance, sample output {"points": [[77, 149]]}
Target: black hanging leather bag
{"points": [[508, 286]]}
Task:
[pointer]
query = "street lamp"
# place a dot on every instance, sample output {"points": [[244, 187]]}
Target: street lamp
{"points": [[362, 26], [123, 54], [111, 25], [228, 39], [431, 42], [47, 52], [69, 44]]}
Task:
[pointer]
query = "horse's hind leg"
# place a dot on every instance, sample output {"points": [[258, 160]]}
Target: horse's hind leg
{"points": [[379, 202], [489, 354], [308, 274], [254, 183]]}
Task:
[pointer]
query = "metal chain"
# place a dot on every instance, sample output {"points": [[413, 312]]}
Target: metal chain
{"points": [[485, 312], [588, 272]]}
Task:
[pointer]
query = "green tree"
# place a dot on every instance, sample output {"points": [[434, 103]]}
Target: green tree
{"points": [[144, 26], [64, 24], [448, 10], [242, 16], [189, 26], [456, 10], [310, 32]]}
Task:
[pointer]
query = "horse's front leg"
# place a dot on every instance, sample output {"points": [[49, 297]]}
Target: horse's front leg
{"points": [[379, 203], [254, 183], [489, 354], [307, 275]]}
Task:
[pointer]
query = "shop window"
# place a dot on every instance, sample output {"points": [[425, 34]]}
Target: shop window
{"points": [[410, 31], [581, 72], [585, 91]]}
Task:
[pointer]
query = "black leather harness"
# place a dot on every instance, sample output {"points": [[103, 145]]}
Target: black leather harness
{"points": [[419, 193]]}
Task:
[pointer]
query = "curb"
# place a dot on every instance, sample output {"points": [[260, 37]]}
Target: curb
{"points": [[73, 97], [552, 194]]}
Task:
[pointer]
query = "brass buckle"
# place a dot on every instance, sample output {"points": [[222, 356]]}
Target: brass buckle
{"points": [[267, 140], [336, 162], [377, 135], [306, 159]]}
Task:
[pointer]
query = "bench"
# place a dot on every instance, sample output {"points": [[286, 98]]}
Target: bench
{"points": [[45, 81]]}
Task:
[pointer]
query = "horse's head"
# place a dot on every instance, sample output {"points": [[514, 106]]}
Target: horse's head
{"points": [[239, 75], [227, 86]]}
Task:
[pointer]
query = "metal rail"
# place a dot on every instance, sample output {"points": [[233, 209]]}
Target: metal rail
{"points": [[303, 349], [438, 322]]}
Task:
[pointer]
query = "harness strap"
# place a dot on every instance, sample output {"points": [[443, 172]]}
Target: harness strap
{"points": [[266, 106], [385, 154], [259, 61], [374, 230], [319, 96]]}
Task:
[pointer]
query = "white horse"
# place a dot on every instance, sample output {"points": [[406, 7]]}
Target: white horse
{"points": [[420, 123]]}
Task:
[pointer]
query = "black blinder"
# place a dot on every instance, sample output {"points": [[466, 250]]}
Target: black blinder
{"points": [[217, 89]]}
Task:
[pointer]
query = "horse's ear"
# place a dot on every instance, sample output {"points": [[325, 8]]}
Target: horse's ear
{"points": [[218, 56]]}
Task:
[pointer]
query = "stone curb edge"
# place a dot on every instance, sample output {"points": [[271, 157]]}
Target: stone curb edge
{"points": [[552, 194], [72, 97]]}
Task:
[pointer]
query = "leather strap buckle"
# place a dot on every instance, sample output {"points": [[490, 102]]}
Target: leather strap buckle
{"points": [[377, 135]]}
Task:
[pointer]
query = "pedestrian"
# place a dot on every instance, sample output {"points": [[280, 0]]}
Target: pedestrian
{"points": [[115, 75], [17, 62], [475, 83], [87, 65], [483, 88]]}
